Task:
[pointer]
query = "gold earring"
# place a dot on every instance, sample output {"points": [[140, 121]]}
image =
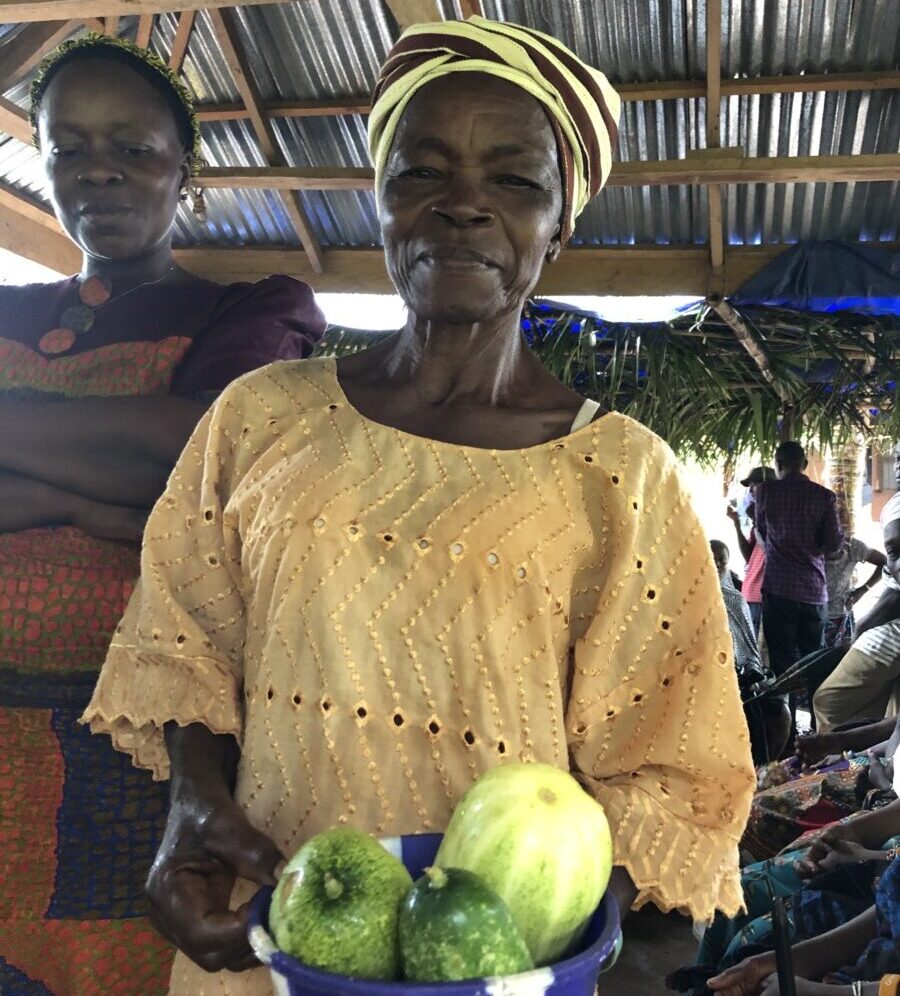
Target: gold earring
{"points": [[198, 201]]}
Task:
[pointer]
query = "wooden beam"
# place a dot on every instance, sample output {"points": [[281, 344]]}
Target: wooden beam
{"points": [[182, 39], [14, 121], [29, 231], [225, 27], [111, 26], [94, 24], [630, 270], [409, 12], [50, 10], [145, 30], [627, 91], [471, 8], [746, 338], [288, 177], [19, 56], [698, 169]]}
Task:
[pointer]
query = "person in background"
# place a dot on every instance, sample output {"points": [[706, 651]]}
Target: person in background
{"points": [[865, 685], [840, 568], [103, 376], [768, 719], [797, 522], [752, 550], [887, 607]]}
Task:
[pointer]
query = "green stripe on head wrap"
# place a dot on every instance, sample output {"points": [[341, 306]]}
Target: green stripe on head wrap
{"points": [[97, 42]]}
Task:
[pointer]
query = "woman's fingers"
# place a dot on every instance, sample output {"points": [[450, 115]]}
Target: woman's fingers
{"points": [[191, 902], [239, 845], [743, 979]]}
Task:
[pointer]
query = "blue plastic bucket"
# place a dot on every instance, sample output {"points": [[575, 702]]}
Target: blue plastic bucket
{"points": [[575, 976]]}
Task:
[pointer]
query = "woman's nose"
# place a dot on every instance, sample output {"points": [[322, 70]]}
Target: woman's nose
{"points": [[100, 171], [463, 203]]}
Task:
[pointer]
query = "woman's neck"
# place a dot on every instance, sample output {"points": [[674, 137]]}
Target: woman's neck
{"points": [[483, 362], [124, 274]]}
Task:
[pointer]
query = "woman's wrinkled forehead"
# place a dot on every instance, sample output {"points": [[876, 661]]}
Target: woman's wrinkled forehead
{"points": [[478, 113]]}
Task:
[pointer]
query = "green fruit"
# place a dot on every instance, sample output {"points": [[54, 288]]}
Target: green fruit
{"points": [[453, 927], [541, 843], [337, 904]]}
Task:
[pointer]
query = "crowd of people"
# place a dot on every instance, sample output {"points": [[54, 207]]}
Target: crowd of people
{"points": [[334, 592], [824, 827]]}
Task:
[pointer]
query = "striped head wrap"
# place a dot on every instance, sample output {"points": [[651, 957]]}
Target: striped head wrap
{"points": [[582, 106]]}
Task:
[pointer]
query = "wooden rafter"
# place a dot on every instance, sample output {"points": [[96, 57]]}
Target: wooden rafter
{"points": [[713, 116], [626, 270], [677, 89], [698, 169], [182, 39], [19, 56], [30, 231], [111, 25], [145, 30], [12, 11], [14, 121], [226, 32], [409, 12], [94, 24]]}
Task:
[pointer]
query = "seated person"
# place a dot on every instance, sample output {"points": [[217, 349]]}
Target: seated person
{"points": [[844, 961], [827, 881], [864, 685]]}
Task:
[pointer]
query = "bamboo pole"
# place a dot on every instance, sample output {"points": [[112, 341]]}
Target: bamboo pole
{"points": [[746, 338]]}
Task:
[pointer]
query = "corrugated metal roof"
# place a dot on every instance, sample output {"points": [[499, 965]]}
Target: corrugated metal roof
{"points": [[320, 49]]}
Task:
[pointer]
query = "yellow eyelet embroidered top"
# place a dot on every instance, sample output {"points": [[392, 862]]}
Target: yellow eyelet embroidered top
{"points": [[378, 618]]}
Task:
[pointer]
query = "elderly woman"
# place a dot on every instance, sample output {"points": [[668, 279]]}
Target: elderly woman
{"points": [[371, 580], [103, 376]]}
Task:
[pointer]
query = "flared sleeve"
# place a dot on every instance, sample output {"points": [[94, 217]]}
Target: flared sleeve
{"points": [[177, 653], [654, 719]]}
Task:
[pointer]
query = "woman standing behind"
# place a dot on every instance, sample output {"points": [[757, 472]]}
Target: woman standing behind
{"points": [[102, 378]]}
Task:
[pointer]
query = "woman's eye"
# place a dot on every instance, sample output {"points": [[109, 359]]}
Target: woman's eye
{"points": [[137, 150], [63, 152], [516, 181], [419, 173]]}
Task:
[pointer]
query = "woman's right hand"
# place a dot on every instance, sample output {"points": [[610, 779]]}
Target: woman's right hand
{"points": [[208, 843], [746, 978], [812, 747], [840, 840]]}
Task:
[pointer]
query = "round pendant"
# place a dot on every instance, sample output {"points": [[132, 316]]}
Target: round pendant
{"points": [[93, 292], [57, 341], [78, 319]]}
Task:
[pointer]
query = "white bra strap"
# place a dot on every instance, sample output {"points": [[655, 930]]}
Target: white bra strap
{"points": [[585, 414]]}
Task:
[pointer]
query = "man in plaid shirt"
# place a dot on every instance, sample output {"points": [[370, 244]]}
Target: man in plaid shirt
{"points": [[798, 524]]}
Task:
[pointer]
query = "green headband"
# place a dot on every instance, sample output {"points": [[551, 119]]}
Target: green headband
{"points": [[48, 67]]}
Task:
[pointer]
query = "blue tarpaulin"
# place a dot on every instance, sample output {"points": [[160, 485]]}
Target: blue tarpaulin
{"points": [[828, 276]]}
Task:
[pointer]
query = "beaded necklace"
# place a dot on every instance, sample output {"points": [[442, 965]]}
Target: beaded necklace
{"points": [[93, 294]]}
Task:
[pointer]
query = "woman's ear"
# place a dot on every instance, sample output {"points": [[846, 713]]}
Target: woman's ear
{"points": [[184, 171], [553, 250]]}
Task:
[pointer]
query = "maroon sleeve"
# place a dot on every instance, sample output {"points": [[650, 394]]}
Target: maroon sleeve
{"points": [[252, 325]]}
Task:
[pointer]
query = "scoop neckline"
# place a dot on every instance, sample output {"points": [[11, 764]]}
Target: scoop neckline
{"points": [[492, 450]]}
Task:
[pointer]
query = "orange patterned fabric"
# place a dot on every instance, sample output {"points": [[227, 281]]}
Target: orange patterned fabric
{"points": [[379, 618], [118, 370]]}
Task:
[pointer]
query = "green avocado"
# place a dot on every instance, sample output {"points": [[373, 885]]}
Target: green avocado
{"points": [[453, 926], [337, 905]]}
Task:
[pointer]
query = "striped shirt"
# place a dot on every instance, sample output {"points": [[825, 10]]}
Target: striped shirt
{"points": [[881, 643]]}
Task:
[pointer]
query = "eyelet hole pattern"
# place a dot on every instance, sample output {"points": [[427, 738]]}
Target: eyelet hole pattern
{"points": [[398, 719], [469, 738], [501, 747], [297, 698], [270, 694], [325, 704]]}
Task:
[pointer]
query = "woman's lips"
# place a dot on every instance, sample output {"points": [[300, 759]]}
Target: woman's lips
{"points": [[457, 259]]}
